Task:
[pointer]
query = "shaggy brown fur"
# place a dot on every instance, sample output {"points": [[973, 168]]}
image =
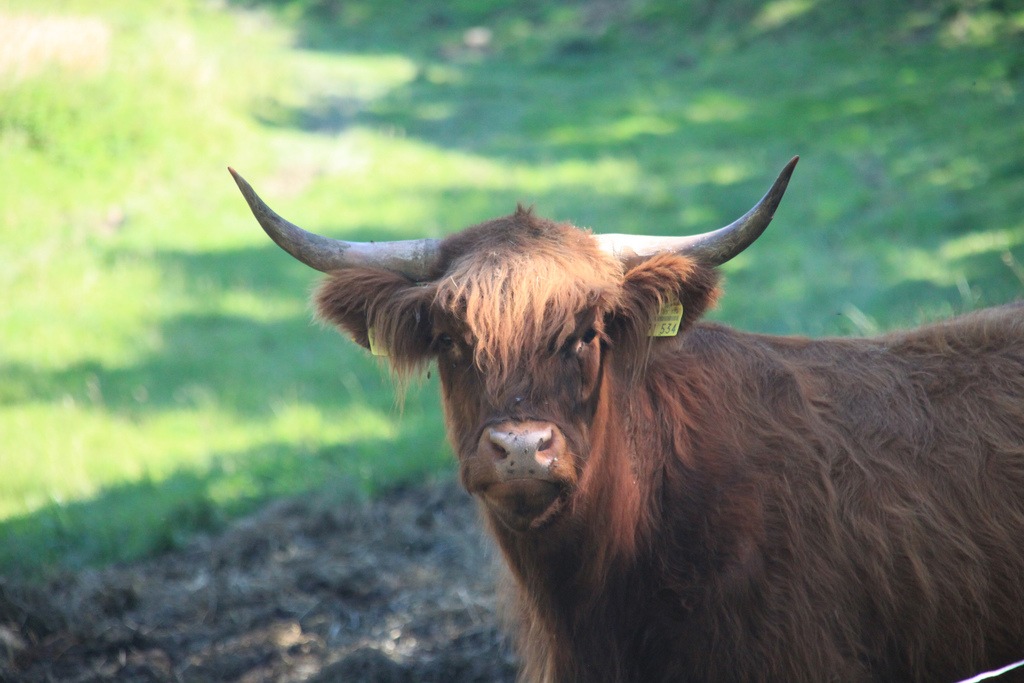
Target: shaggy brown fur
{"points": [[739, 507]]}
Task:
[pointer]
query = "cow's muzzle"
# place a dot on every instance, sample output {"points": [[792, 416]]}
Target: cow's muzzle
{"points": [[516, 473], [523, 450]]}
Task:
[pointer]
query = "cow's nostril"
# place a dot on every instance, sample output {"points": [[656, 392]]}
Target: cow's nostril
{"points": [[502, 443], [545, 442]]}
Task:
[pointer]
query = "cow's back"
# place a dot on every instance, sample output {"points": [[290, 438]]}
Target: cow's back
{"points": [[890, 483]]}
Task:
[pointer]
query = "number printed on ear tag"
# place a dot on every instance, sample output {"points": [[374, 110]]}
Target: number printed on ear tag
{"points": [[668, 320]]}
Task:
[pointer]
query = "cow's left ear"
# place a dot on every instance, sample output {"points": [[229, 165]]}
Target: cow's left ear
{"points": [[653, 284], [390, 307]]}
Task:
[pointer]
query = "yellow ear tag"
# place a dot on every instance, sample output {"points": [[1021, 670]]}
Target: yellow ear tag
{"points": [[375, 348], [668, 320]]}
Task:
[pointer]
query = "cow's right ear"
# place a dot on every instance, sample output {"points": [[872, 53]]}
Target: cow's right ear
{"points": [[396, 309]]}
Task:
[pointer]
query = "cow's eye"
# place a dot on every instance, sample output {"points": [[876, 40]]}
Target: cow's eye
{"points": [[442, 343], [581, 343]]}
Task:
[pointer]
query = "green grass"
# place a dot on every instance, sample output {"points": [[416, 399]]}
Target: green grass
{"points": [[159, 372]]}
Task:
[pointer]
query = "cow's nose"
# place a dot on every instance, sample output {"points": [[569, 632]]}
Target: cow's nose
{"points": [[524, 449], [520, 444]]}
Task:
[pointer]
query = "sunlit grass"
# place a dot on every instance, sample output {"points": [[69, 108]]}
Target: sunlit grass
{"points": [[780, 12]]}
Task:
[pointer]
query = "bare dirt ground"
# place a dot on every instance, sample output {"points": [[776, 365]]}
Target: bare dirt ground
{"points": [[397, 590]]}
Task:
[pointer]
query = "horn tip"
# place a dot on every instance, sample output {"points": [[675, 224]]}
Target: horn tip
{"points": [[784, 175], [236, 175], [246, 189]]}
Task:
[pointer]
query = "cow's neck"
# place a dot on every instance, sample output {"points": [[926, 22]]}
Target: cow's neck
{"points": [[585, 607]]}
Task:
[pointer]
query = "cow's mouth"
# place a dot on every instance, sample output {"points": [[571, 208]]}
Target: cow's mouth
{"points": [[524, 504]]}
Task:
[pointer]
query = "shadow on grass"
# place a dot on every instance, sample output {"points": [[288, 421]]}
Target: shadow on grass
{"points": [[233, 361], [148, 517]]}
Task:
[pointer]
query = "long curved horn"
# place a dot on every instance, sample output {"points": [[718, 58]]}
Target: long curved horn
{"points": [[712, 248], [413, 258]]}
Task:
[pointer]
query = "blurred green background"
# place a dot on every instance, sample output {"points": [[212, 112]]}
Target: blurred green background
{"points": [[159, 370]]}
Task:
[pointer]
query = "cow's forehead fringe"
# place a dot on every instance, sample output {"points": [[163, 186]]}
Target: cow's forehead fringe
{"points": [[518, 283]]}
